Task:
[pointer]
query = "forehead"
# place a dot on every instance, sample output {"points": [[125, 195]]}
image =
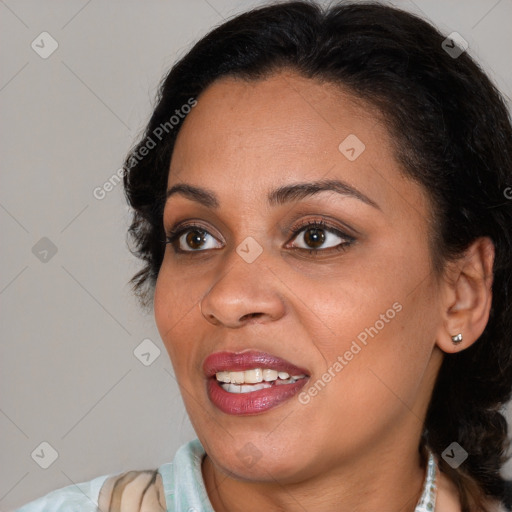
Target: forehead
{"points": [[282, 116], [286, 128]]}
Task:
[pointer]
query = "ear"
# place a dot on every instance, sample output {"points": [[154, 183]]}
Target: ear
{"points": [[466, 296]]}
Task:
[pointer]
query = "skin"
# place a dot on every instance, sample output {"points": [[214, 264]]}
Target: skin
{"points": [[356, 442]]}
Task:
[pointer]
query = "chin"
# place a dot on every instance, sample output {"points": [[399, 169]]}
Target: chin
{"points": [[261, 460]]}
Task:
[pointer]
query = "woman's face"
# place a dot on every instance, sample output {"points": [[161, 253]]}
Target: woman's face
{"points": [[306, 252]]}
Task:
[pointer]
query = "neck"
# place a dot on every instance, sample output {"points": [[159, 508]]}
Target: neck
{"points": [[369, 483]]}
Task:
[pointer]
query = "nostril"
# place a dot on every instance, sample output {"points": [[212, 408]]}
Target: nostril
{"points": [[249, 316]]}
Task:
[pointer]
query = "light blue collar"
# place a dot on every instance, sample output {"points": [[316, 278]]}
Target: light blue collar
{"points": [[427, 501], [185, 490]]}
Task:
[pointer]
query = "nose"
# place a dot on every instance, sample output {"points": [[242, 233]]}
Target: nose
{"points": [[247, 292]]}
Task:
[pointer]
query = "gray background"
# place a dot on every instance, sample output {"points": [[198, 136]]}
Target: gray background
{"points": [[68, 375]]}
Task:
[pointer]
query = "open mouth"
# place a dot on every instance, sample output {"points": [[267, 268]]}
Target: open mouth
{"points": [[249, 381]]}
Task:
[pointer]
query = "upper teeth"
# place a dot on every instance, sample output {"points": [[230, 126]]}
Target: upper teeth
{"points": [[254, 376]]}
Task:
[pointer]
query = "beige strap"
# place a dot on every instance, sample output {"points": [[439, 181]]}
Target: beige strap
{"points": [[134, 491]]}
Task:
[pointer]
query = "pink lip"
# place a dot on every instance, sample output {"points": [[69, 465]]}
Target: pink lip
{"points": [[255, 402]]}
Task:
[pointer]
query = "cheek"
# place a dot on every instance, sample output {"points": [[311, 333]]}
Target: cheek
{"points": [[375, 313], [392, 341], [164, 304], [175, 304], [353, 301]]}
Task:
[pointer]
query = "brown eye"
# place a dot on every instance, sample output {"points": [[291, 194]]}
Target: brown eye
{"points": [[314, 237], [318, 238], [192, 239], [195, 238]]}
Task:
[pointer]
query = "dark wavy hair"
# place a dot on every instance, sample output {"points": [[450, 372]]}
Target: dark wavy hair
{"points": [[452, 134]]}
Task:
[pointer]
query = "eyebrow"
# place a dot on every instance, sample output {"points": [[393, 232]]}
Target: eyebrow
{"points": [[279, 196]]}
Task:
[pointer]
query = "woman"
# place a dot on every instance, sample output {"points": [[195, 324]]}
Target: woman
{"points": [[320, 199]]}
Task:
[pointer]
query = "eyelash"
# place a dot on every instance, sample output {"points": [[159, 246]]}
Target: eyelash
{"points": [[174, 235]]}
